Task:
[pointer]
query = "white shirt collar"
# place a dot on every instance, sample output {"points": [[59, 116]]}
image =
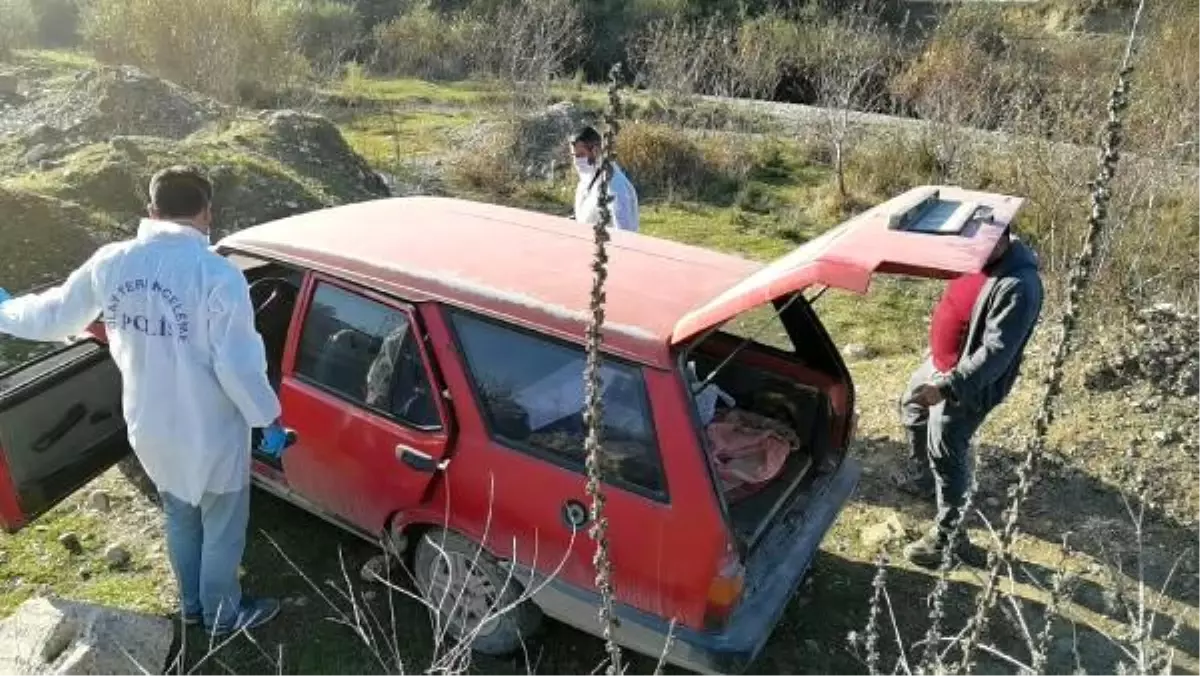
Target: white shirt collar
{"points": [[150, 227]]}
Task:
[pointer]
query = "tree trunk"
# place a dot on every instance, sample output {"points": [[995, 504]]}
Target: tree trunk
{"points": [[839, 168]]}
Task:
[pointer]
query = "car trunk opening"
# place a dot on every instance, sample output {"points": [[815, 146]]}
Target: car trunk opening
{"points": [[783, 414], [771, 418]]}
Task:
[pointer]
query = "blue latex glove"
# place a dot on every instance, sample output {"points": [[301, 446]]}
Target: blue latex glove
{"points": [[4, 295], [274, 438]]}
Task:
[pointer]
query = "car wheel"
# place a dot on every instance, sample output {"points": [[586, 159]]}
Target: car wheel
{"points": [[471, 596]]}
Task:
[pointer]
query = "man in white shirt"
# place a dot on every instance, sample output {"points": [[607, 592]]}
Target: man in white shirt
{"points": [[585, 149], [180, 328]]}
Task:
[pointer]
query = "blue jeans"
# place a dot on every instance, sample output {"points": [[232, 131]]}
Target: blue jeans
{"points": [[941, 440], [205, 543]]}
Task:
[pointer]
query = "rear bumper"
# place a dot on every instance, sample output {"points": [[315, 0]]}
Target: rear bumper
{"points": [[786, 552]]}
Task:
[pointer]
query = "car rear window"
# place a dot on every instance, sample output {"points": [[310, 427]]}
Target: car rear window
{"points": [[531, 390]]}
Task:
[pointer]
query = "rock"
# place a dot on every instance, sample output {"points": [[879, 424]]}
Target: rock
{"points": [[116, 556], [55, 636], [1165, 353], [993, 502], [38, 153], [874, 537], [70, 542], [1165, 437], [99, 501], [301, 601], [858, 351], [10, 85]]}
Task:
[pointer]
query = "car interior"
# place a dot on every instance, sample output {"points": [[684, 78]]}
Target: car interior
{"points": [[274, 290], [349, 360], [801, 408]]}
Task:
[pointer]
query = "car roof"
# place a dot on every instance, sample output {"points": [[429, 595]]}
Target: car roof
{"points": [[524, 267]]}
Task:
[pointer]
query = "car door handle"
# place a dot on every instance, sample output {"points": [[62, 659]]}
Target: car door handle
{"points": [[74, 415], [419, 460]]}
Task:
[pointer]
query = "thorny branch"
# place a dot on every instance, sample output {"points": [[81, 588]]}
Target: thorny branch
{"points": [[1080, 277], [591, 378]]}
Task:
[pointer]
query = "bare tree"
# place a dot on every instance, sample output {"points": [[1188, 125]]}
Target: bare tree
{"points": [[678, 57], [527, 45], [967, 77], [718, 57], [848, 55]]}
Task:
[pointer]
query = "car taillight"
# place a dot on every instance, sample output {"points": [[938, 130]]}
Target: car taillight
{"points": [[725, 590]]}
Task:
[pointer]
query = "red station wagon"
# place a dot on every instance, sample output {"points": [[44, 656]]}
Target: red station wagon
{"points": [[429, 354]]}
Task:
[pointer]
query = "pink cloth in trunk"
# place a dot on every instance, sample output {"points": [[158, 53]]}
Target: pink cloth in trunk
{"points": [[749, 448]]}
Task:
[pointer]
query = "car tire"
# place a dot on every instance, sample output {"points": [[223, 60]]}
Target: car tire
{"points": [[448, 566]]}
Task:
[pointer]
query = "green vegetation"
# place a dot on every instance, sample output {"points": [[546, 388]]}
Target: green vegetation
{"points": [[17, 24]]}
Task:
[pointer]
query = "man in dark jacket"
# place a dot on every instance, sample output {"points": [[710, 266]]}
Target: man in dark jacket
{"points": [[977, 339]]}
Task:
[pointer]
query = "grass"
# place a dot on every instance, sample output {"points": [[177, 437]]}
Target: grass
{"points": [[60, 62], [783, 200], [36, 561], [383, 137], [378, 91]]}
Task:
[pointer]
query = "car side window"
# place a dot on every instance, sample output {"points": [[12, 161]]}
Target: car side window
{"points": [[531, 390], [366, 352]]}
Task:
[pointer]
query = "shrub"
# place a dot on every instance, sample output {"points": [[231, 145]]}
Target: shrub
{"points": [[716, 56], [1165, 107], [885, 167], [527, 44], [219, 47], [324, 31], [678, 57], [423, 43], [17, 25], [487, 167], [762, 49], [964, 75], [666, 163], [57, 22]]}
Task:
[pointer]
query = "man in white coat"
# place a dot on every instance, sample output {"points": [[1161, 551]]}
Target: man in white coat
{"points": [[585, 150], [180, 327]]}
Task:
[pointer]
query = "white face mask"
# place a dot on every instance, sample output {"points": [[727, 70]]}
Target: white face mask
{"points": [[584, 166]]}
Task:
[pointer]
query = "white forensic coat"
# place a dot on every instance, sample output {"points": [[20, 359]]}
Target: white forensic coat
{"points": [[624, 205], [181, 330]]}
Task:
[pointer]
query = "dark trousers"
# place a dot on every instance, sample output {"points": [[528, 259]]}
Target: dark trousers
{"points": [[940, 440]]}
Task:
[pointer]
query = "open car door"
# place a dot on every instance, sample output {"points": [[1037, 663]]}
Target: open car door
{"points": [[61, 425], [931, 231]]}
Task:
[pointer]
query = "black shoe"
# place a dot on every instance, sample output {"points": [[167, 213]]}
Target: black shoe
{"points": [[929, 551]]}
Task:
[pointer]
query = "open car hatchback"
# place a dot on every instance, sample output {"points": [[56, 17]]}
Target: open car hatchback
{"points": [[428, 353]]}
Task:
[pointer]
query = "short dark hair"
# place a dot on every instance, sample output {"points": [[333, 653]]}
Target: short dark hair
{"points": [[180, 191], [587, 136]]}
